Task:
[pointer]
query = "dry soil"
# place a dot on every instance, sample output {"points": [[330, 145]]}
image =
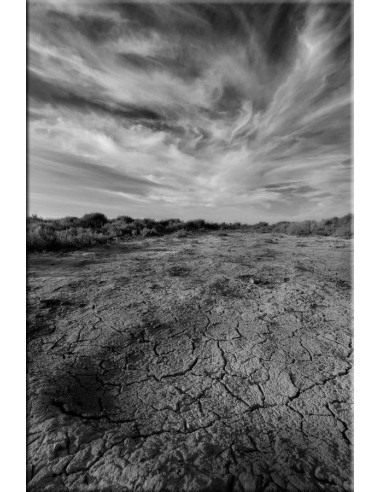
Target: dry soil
{"points": [[212, 362]]}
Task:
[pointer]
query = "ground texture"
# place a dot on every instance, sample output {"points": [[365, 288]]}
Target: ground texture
{"points": [[209, 362]]}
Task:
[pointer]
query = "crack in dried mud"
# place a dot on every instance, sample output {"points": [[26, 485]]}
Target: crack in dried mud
{"points": [[208, 363]]}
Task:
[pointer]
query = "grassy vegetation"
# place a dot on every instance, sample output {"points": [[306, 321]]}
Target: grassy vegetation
{"points": [[339, 227], [96, 228]]}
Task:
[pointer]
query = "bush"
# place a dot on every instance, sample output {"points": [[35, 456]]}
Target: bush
{"points": [[212, 226], [168, 225], [194, 225], [300, 228], [174, 226], [261, 227], [93, 221], [125, 219], [79, 237], [113, 229], [137, 224], [40, 237], [341, 227], [149, 232], [149, 222], [69, 221]]}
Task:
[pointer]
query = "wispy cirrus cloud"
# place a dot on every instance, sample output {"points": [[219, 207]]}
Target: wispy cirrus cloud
{"points": [[227, 111]]}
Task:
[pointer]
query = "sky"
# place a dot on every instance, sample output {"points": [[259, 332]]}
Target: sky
{"points": [[224, 111]]}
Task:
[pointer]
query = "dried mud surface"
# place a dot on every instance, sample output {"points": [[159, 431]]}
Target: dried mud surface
{"points": [[203, 363]]}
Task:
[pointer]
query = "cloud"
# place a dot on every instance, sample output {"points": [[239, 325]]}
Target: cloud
{"points": [[229, 111]]}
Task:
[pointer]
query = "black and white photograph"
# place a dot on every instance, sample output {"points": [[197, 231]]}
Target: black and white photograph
{"points": [[189, 241]]}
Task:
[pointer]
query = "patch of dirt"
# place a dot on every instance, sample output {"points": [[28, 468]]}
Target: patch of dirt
{"points": [[178, 271], [168, 365]]}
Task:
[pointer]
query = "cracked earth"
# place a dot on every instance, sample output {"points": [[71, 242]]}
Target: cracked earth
{"points": [[206, 363]]}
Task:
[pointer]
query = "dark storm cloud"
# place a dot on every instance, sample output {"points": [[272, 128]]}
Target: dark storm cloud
{"points": [[231, 107]]}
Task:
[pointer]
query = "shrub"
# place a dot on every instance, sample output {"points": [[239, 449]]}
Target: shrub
{"points": [[137, 224], [148, 222], [164, 223], [79, 237], [193, 225], [175, 226], [113, 229], [93, 221], [149, 232], [125, 219], [40, 237], [300, 228], [69, 221], [261, 227], [212, 226], [344, 227], [168, 225]]}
